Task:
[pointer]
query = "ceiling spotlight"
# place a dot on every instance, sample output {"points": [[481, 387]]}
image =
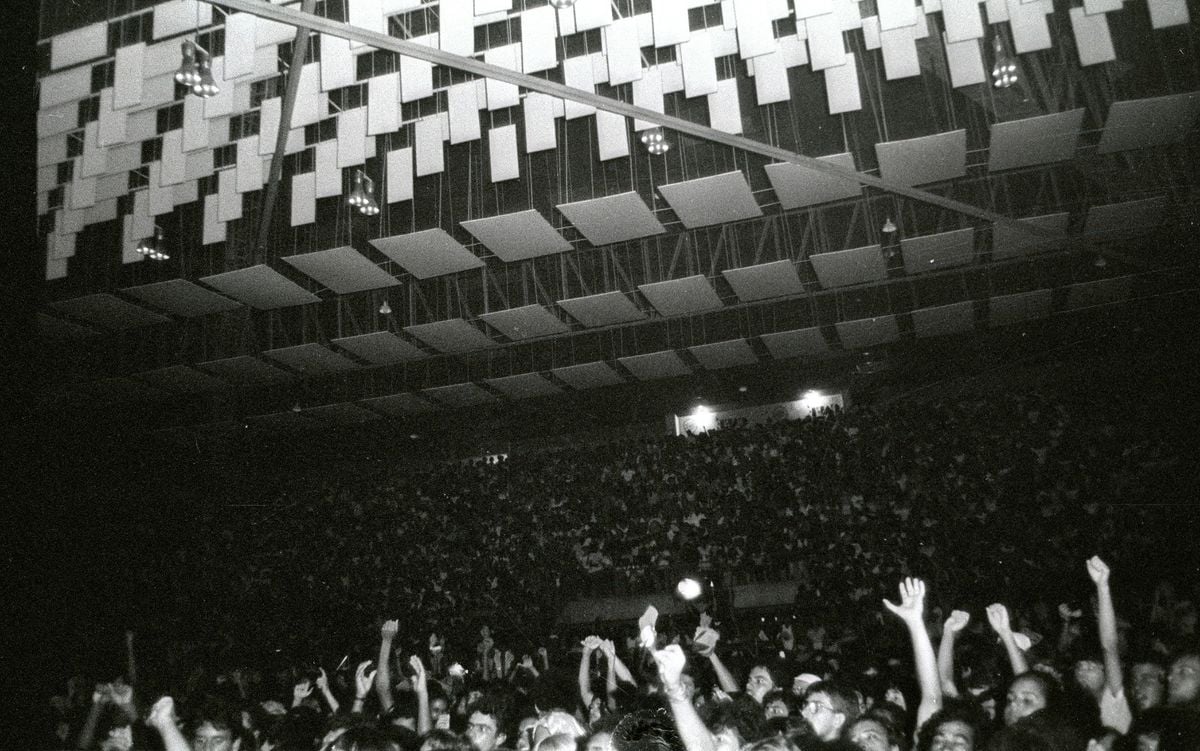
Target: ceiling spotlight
{"points": [[385, 309], [153, 247], [689, 589], [1100, 261], [207, 85], [1004, 71], [561, 4], [296, 407], [889, 227], [362, 195], [655, 141], [189, 71]]}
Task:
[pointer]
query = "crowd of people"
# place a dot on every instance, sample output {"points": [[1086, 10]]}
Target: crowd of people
{"points": [[988, 498]]}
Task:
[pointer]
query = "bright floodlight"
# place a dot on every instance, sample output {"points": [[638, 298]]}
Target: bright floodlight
{"points": [[704, 418], [812, 400], [688, 588]]}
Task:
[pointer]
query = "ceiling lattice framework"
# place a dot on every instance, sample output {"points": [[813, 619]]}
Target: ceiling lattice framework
{"points": [[528, 244]]}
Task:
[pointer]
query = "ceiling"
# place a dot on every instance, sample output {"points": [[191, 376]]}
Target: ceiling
{"points": [[528, 245]]}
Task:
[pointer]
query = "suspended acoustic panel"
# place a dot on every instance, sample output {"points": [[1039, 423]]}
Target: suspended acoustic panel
{"points": [[726, 354], [853, 266], [604, 309], [342, 270], [679, 297], [108, 312], [588, 375], [868, 332], [1036, 140], [398, 405], [454, 336], [380, 348], [712, 200], [944, 319], [182, 379], [1099, 292], [928, 159], [428, 253], [612, 219], [654, 365], [940, 251], [58, 328], [260, 287], [1005, 310], [798, 186], [182, 298], [526, 322], [245, 370], [311, 359], [1142, 123], [808, 343], [1011, 243], [343, 413], [524, 385], [764, 281], [515, 237], [1126, 218], [459, 395]]}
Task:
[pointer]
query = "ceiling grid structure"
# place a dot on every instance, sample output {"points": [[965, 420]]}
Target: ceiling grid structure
{"points": [[516, 212]]}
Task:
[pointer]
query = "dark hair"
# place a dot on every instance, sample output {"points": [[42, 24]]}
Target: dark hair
{"points": [[497, 707], [955, 710], [843, 698], [742, 714], [1050, 688], [647, 730], [893, 734], [444, 740], [365, 738]]}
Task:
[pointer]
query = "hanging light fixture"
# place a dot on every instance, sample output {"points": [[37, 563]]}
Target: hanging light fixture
{"points": [[208, 85], [362, 195], [153, 247], [561, 4], [358, 196], [189, 71], [889, 228], [385, 309], [1004, 68], [1100, 261], [655, 141]]}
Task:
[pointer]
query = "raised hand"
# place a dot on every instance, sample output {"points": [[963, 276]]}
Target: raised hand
{"points": [[705, 640], [591, 643], [527, 662], [670, 660], [997, 616], [322, 681], [957, 621], [912, 600], [1065, 612], [301, 691], [363, 680], [389, 629], [419, 677], [608, 648], [787, 638], [162, 714], [1098, 570], [102, 693]]}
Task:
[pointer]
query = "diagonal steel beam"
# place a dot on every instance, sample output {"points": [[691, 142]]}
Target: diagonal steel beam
{"points": [[299, 49], [300, 19]]}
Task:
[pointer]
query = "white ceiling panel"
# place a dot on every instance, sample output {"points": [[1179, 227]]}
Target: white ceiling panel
{"points": [[868, 332], [764, 281], [808, 343], [588, 375], [428, 253], [712, 200], [936, 252], [515, 237], [727, 354], [852, 266], [342, 270], [612, 219], [928, 159], [944, 319], [526, 322], [245, 369], [604, 309], [260, 287], [454, 336], [1142, 123], [380, 348], [109, 312], [653, 365], [182, 298], [1004, 310], [459, 395], [310, 359], [524, 385], [680, 297], [1035, 140], [1010, 243], [799, 186], [1099, 292]]}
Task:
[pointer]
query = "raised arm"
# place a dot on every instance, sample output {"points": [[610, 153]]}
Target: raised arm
{"points": [[421, 689], [87, 735], [363, 681], [1107, 618], [590, 645], [323, 686], [725, 678], [695, 735], [383, 670], [957, 621], [610, 673], [300, 692], [162, 719], [911, 610], [998, 619]]}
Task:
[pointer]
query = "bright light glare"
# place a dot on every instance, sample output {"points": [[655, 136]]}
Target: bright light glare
{"points": [[704, 418], [689, 589]]}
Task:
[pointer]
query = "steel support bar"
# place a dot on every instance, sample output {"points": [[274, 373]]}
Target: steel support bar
{"points": [[300, 19]]}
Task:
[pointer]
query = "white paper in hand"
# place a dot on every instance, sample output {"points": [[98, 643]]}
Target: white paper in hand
{"points": [[705, 639], [646, 632]]}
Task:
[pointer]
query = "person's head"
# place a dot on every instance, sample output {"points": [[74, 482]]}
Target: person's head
{"points": [[829, 709], [872, 734], [1028, 692], [958, 726], [760, 682], [444, 740], [1183, 679], [734, 723], [1147, 685], [215, 728], [1089, 673], [776, 704], [486, 722], [364, 738], [647, 730], [556, 742]]}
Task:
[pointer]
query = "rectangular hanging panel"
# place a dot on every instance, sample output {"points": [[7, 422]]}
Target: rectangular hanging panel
{"points": [[539, 40], [966, 63], [173, 163], [79, 45], [399, 175], [592, 14], [67, 86], [648, 94], [755, 28], [1028, 24], [577, 73], [841, 87], [457, 26], [502, 153], [195, 128], [328, 176], [826, 48], [308, 107], [624, 55], [127, 75], [499, 93], [112, 123], [270, 112], [351, 139], [416, 79], [962, 20], [304, 199], [249, 165], [464, 113], [900, 53], [771, 78], [1092, 37], [337, 63], [611, 135], [430, 156], [724, 110], [896, 14], [699, 69], [383, 104], [540, 133], [240, 45], [1164, 13], [222, 102]]}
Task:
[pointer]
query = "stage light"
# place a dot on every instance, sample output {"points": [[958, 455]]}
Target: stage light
{"points": [[704, 418], [689, 589]]}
